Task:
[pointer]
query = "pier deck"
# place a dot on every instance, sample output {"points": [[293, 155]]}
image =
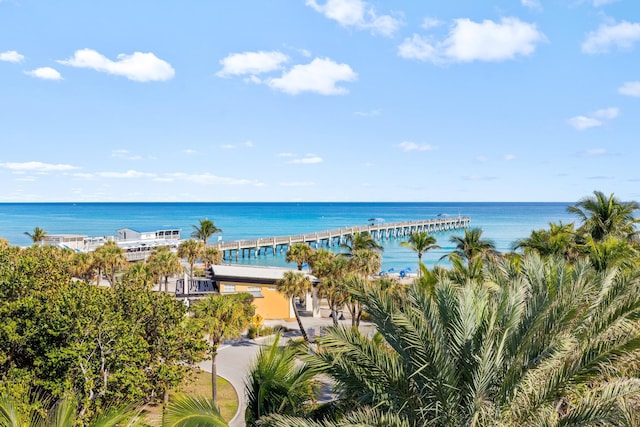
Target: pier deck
{"points": [[335, 237]]}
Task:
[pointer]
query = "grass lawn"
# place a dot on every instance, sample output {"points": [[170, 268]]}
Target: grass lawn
{"points": [[201, 386]]}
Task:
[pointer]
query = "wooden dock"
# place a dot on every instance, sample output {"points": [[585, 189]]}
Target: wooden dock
{"points": [[329, 238]]}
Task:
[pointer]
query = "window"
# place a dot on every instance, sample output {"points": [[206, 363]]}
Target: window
{"points": [[228, 288], [254, 289]]}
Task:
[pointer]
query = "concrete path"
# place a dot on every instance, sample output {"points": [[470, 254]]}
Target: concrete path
{"points": [[234, 360]]}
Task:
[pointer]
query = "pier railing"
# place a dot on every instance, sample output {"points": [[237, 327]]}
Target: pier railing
{"points": [[379, 231]]}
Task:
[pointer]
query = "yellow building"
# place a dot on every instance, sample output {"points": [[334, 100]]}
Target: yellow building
{"points": [[257, 281]]}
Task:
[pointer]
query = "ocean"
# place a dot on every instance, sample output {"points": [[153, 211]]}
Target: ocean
{"points": [[503, 223]]}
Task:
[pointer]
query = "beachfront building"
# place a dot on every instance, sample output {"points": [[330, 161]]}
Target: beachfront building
{"points": [[260, 282], [137, 245]]}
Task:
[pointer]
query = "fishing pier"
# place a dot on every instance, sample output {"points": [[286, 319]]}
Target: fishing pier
{"points": [[379, 231]]}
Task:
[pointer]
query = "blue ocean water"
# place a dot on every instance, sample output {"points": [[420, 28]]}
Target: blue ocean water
{"points": [[503, 223]]}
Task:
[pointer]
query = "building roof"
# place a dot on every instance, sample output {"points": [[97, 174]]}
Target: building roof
{"points": [[252, 274]]}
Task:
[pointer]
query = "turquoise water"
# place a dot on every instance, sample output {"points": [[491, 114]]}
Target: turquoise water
{"points": [[502, 222]]}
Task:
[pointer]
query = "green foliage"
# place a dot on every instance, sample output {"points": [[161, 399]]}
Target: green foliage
{"points": [[186, 411], [204, 229], [106, 345]]}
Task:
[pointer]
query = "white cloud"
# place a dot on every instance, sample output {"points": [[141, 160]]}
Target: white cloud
{"points": [[509, 157], [126, 175], [475, 41], [430, 23], [297, 184], [208, 178], [630, 89], [189, 151], [531, 4], [598, 3], [583, 122], [594, 119], [124, 154], [482, 159], [251, 63], [45, 73], [412, 146], [358, 14], [593, 152], [227, 146], [248, 144], [372, 113], [622, 36], [37, 166], [11, 56], [309, 160], [606, 113], [320, 76], [140, 67]]}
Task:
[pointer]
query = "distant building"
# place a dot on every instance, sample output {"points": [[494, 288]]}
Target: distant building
{"points": [[137, 245], [257, 281]]}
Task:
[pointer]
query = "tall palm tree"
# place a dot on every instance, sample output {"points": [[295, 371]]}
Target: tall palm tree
{"points": [[278, 383], [37, 235], [300, 253], [361, 240], [221, 317], [603, 216], [331, 270], [295, 284], [204, 229], [472, 245], [545, 348], [109, 257], [82, 266], [164, 263], [420, 242], [192, 250]]}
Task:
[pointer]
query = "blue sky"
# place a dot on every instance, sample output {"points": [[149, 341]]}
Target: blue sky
{"points": [[319, 100]]}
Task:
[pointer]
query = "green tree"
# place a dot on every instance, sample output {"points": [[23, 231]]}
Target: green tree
{"points": [[140, 273], [189, 411], [204, 229], [295, 284], [278, 383], [546, 346], [558, 240], [420, 242], [164, 263], [331, 270], [109, 258], [604, 216], [222, 317], [82, 266], [192, 250], [37, 235], [361, 240], [300, 253], [211, 256], [472, 245]]}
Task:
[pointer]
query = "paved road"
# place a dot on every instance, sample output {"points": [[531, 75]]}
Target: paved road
{"points": [[234, 360]]}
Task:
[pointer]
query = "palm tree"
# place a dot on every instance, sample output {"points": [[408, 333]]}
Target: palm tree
{"points": [[37, 236], [140, 274], [558, 240], [420, 242], [211, 256], [472, 245], [204, 229], [295, 285], [300, 253], [192, 250], [603, 216], [361, 240], [187, 411], [545, 348], [278, 383], [222, 317], [331, 270], [109, 257], [82, 266], [164, 263]]}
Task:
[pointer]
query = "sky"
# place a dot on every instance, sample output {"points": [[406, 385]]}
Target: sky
{"points": [[318, 100]]}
